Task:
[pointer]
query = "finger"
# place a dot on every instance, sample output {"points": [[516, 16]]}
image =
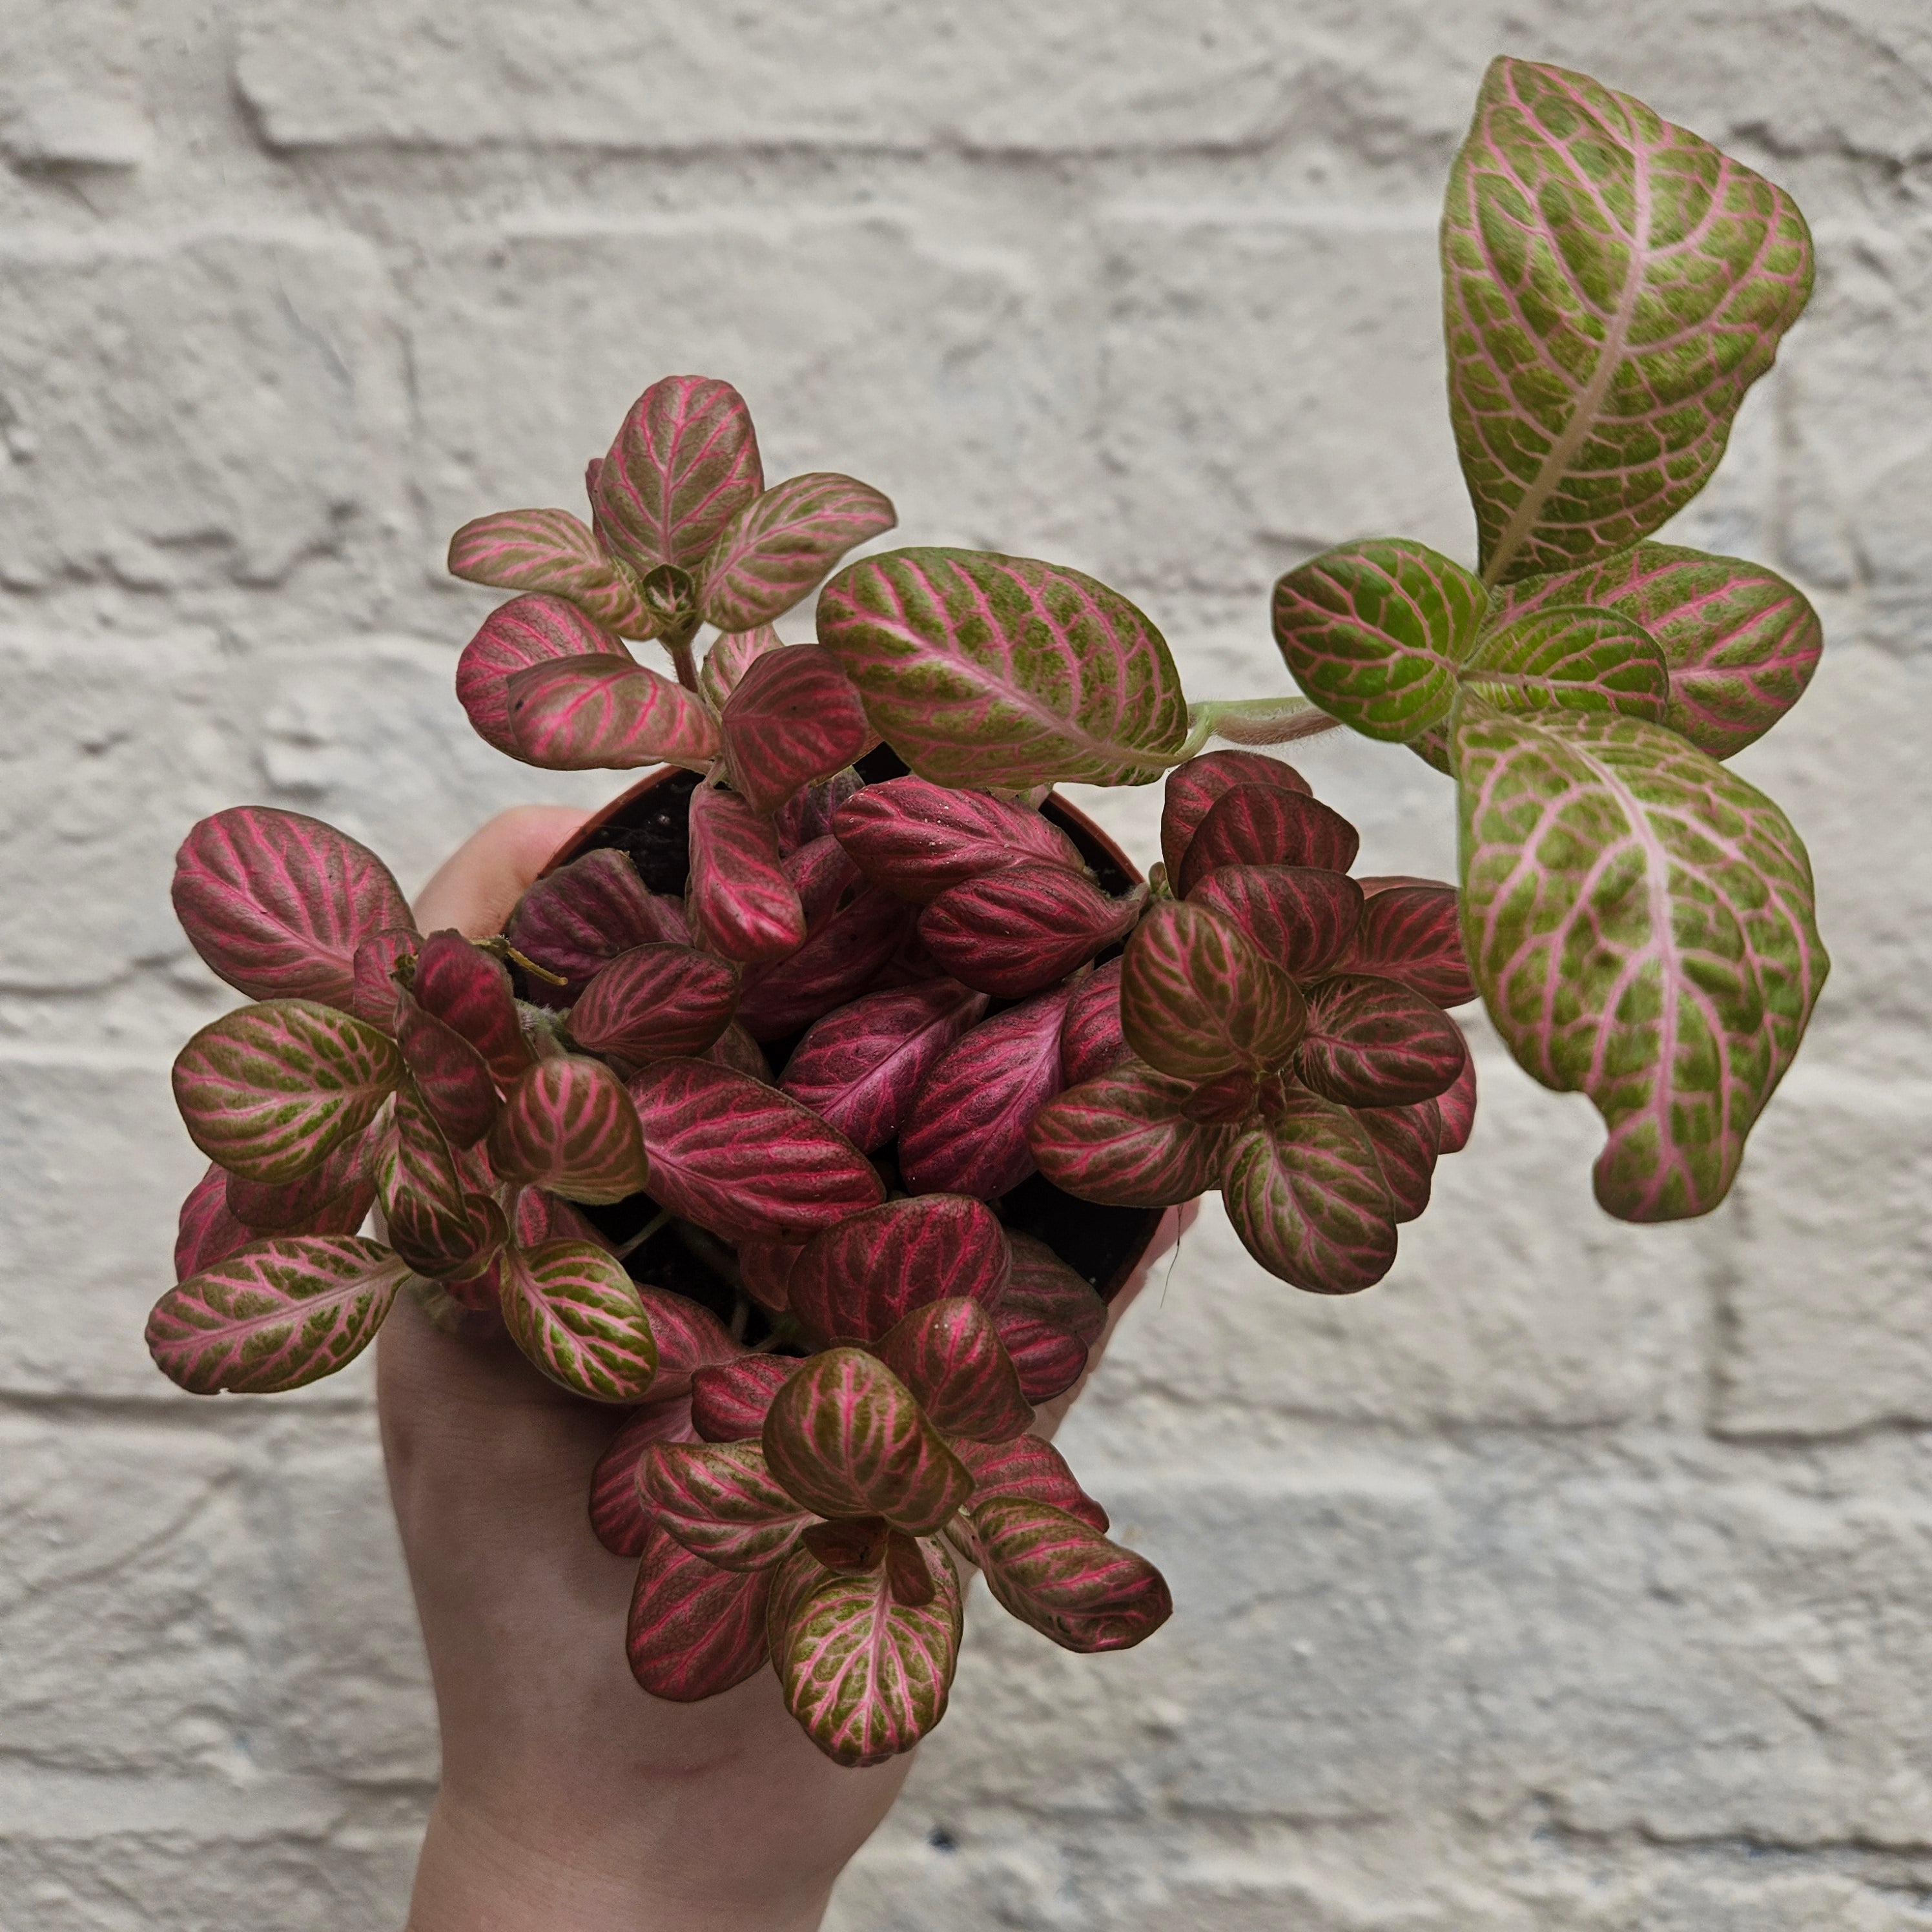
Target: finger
{"points": [[476, 889]]}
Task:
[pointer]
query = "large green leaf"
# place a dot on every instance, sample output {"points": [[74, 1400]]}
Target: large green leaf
{"points": [[1571, 658]]}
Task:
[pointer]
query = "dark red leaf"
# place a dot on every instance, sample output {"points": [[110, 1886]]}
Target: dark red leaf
{"points": [[1048, 1358], [1410, 934], [1406, 1141], [794, 719], [853, 1281], [735, 1050], [207, 1232], [729, 1401], [1231, 1096], [807, 815], [1091, 1039], [1192, 788], [842, 955], [1067, 1581], [765, 1267], [949, 1354], [607, 713], [1372, 1043], [449, 1073], [536, 1217], [1198, 999], [463, 986], [516, 637], [374, 997], [1301, 916], [1262, 825], [342, 1185], [657, 1002], [852, 1547], [742, 903], [911, 1575], [1045, 1287], [1124, 1138], [617, 1512], [695, 1630], [584, 914], [1027, 1470], [1457, 1102], [689, 1337], [919, 839], [1011, 933]]}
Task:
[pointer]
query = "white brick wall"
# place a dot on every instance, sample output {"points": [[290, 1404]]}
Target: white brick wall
{"points": [[1574, 1580]]}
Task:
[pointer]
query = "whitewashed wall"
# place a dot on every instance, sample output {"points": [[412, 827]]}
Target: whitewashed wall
{"points": [[1579, 1579]]}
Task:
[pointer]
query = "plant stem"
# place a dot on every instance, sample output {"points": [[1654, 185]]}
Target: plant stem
{"points": [[660, 1219], [1252, 721], [678, 643]]}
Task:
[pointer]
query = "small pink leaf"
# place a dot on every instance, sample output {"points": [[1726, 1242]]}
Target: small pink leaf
{"points": [[695, 1630], [277, 1314], [1090, 1040], [1302, 917], [656, 1003], [1048, 1359], [794, 720], [919, 839], [729, 1401], [1410, 934], [1066, 1580], [1305, 1194], [809, 815], [1199, 999], [537, 1216], [1263, 825], [730, 657], [1232, 1096], [1044, 1286], [743, 1159], [720, 1502], [1193, 788], [950, 1355], [1407, 1141], [1026, 1470], [277, 903], [452, 1077], [577, 1316], [377, 958], [866, 1675], [766, 1268], [1011, 933], [689, 1338], [588, 912], [966, 1132], [270, 1091], [549, 550], [517, 637], [1124, 1139], [742, 903], [775, 550], [568, 1125], [1372, 1043], [617, 1512], [854, 1279], [842, 953], [1458, 1109], [605, 713], [439, 1228], [846, 1438], [685, 463], [860, 1067], [206, 1232], [463, 986]]}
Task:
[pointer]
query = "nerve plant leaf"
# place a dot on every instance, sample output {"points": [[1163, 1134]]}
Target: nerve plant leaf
{"points": [[377, 960], [1091, 1039], [1264, 825], [743, 1159], [1408, 1141], [656, 1003], [777, 547], [618, 1515], [1573, 659], [981, 669], [720, 1502], [549, 550], [517, 637], [586, 913], [1011, 933], [206, 1232], [728, 659], [919, 839], [695, 1630], [1641, 922], [729, 1400], [568, 1125], [339, 1191], [1044, 1287], [605, 713], [1125, 1140], [277, 903], [866, 1675], [846, 1438], [1198, 999], [468, 991], [1410, 933], [950, 1355], [1612, 286], [1373, 633], [685, 463], [1026, 1470], [452, 1076], [1457, 1108], [1192, 789], [270, 1091], [742, 903], [577, 1316], [278, 1315], [1053, 1571], [1304, 918], [847, 939], [440, 1228], [1372, 1043], [794, 719]]}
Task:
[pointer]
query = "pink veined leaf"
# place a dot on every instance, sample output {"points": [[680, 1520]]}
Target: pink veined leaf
{"points": [[1198, 998], [729, 1400], [776, 549], [865, 1675], [911, 965], [552, 550], [983, 670], [742, 903], [1044, 1286], [374, 996], [695, 1630], [617, 1512], [577, 1317], [685, 463], [1065, 1579], [1457, 1106], [1612, 286], [585, 913], [735, 1050], [845, 946], [517, 637], [846, 1438], [919, 839], [1411, 934], [536, 1216], [1303, 917], [1304, 1192], [277, 903], [439, 1228], [852, 1546], [1091, 1039], [1372, 1043], [794, 720], [950, 1355], [207, 1233], [1025, 1470], [1192, 789], [860, 1067], [452, 1077], [606, 713], [743, 1159], [1048, 1358], [689, 1337], [909, 1573], [569, 1126], [1564, 658], [966, 1130], [822, 876], [1233, 1096], [1263, 825], [730, 657], [270, 1091], [341, 1185], [808, 814], [468, 991], [854, 1279], [720, 1502], [656, 1003], [1124, 1139], [277, 1314], [1011, 933], [766, 1268], [1407, 1141]]}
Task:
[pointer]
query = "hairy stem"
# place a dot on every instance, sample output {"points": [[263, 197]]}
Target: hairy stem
{"points": [[678, 643], [1252, 721]]}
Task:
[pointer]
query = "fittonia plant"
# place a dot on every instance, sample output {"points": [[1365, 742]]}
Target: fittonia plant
{"points": [[817, 1093]]}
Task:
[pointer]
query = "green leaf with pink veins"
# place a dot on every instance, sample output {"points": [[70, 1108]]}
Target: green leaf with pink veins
{"points": [[552, 550], [774, 551], [1641, 924], [1571, 658], [1612, 286], [577, 1317]]}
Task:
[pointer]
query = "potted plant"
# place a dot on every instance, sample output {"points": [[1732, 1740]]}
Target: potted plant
{"points": [[809, 1109]]}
